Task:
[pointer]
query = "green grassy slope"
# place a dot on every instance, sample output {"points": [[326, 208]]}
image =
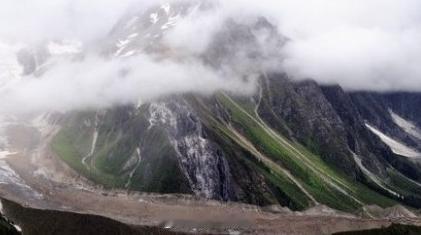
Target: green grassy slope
{"points": [[296, 177], [325, 184]]}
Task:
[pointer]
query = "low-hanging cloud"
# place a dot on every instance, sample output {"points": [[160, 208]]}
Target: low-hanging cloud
{"points": [[368, 45], [38, 20], [359, 44], [98, 83]]}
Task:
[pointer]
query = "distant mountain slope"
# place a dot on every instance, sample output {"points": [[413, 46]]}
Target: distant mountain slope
{"points": [[297, 144]]}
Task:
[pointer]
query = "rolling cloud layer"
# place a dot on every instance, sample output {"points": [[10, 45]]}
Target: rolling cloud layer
{"points": [[359, 44]]}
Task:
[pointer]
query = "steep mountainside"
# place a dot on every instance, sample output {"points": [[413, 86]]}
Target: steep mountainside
{"points": [[282, 147], [297, 144]]}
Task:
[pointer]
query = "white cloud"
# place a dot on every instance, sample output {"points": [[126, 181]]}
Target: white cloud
{"points": [[360, 44], [98, 83], [36, 20]]}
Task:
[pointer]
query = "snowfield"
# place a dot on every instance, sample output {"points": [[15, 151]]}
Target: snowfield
{"points": [[64, 47], [396, 146], [408, 126]]}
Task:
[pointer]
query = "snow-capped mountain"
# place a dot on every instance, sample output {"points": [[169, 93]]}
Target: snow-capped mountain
{"points": [[143, 32]]}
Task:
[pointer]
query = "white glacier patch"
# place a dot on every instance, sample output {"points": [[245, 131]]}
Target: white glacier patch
{"points": [[408, 126], [133, 35], [64, 47], [373, 177], [154, 18], [5, 154], [396, 146], [166, 7]]}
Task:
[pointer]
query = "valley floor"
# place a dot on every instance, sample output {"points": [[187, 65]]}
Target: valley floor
{"points": [[42, 181], [177, 212]]}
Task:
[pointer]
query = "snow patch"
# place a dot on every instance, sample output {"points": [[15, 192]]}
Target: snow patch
{"points": [[233, 232], [137, 160], [129, 53], [373, 177], [133, 35], [396, 146], [5, 154], [64, 47], [93, 143], [408, 126], [154, 18], [166, 7], [172, 21], [19, 229], [121, 45], [94, 140]]}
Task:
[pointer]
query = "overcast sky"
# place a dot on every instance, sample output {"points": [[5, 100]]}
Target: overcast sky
{"points": [[359, 44]]}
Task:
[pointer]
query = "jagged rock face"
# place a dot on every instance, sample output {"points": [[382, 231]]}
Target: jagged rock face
{"points": [[242, 47], [405, 104], [202, 161], [310, 118], [387, 112], [379, 109], [360, 141], [335, 122]]}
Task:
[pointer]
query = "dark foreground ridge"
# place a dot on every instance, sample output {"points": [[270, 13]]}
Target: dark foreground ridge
{"points": [[394, 229], [36, 222], [6, 227]]}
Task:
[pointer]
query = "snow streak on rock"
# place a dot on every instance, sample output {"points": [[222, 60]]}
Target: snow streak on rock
{"points": [[133, 163], [396, 146], [408, 126], [373, 177], [93, 143], [64, 47]]}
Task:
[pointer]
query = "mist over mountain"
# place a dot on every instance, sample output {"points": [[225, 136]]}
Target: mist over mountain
{"points": [[333, 42], [210, 117]]}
